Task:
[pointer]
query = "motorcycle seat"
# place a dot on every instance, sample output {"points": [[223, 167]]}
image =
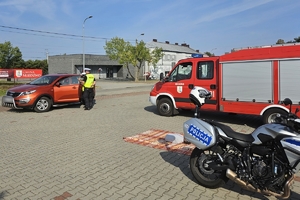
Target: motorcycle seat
{"points": [[233, 134]]}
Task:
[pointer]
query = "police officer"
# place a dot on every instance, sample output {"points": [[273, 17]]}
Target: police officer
{"points": [[88, 83]]}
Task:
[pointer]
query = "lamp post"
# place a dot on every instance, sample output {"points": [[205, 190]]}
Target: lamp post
{"points": [[212, 50], [136, 40], [83, 55], [136, 44]]}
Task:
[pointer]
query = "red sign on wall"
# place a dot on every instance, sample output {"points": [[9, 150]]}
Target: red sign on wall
{"points": [[20, 73], [27, 73], [6, 73]]}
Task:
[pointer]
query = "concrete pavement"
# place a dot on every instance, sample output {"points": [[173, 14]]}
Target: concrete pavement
{"points": [[72, 154]]}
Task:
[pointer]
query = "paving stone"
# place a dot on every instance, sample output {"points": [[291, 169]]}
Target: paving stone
{"points": [[192, 196], [160, 191], [141, 196], [135, 191], [128, 196]]}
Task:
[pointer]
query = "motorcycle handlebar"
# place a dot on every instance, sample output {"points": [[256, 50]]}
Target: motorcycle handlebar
{"points": [[291, 120], [290, 116]]}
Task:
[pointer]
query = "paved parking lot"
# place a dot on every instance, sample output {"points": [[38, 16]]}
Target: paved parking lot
{"points": [[69, 153]]}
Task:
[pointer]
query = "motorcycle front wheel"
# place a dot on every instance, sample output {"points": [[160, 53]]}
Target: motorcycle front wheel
{"points": [[206, 176]]}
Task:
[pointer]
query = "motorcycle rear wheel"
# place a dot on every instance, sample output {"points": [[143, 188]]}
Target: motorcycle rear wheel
{"points": [[206, 177]]}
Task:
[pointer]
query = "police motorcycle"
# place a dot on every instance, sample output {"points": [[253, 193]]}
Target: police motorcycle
{"points": [[264, 161]]}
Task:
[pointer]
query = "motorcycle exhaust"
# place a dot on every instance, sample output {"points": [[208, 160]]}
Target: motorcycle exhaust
{"points": [[286, 192]]}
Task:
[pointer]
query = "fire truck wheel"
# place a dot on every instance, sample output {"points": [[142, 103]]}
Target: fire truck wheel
{"points": [[165, 107], [270, 115]]}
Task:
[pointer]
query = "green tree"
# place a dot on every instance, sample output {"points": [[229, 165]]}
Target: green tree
{"points": [[141, 54], [118, 49], [137, 55], [297, 39], [155, 56], [37, 64], [280, 41], [209, 54], [10, 57]]}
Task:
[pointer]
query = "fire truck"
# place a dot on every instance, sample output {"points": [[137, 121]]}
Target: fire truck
{"points": [[252, 80]]}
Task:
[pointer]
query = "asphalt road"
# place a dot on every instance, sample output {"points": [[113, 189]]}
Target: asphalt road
{"points": [[69, 153]]}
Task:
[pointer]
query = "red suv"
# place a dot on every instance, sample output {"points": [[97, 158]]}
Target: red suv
{"points": [[45, 92]]}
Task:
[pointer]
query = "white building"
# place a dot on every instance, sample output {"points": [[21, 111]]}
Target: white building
{"points": [[172, 54]]}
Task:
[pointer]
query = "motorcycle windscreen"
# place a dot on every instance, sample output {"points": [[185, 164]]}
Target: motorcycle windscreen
{"points": [[199, 133]]}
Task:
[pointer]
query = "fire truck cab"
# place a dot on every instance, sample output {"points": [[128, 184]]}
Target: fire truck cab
{"points": [[247, 81]]}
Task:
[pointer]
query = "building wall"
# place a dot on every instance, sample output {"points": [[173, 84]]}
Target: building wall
{"points": [[101, 66], [165, 64], [64, 64], [172, 54]]}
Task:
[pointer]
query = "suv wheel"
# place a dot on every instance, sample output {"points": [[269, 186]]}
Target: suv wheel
{"points": [[43, 105]]}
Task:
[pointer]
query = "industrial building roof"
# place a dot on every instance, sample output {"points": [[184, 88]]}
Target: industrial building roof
{"points": [[166, 46]]}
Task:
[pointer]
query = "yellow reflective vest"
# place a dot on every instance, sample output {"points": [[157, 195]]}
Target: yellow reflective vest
{"points": [[89, 81]]}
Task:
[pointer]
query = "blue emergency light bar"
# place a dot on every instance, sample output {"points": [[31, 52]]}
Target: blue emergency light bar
{"points": [[196, 55]]}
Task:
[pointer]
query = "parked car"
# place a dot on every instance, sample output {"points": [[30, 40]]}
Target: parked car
{"points": [[44, 93]]}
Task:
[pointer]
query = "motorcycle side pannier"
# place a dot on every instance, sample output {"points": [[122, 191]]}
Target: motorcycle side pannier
{"points": [[200, 133]]}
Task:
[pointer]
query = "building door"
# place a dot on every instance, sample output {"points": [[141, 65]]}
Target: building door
{"points": [[107, 72]]}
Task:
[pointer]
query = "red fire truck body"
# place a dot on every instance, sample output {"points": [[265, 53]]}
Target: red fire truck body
{"points": [[247, 81]]}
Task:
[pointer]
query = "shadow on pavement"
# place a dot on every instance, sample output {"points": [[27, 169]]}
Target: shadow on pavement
{"points": [[295, 195], [178, 160], [2, 194], [22, 110], [26, 110], [151, 109], [249, 120], [182, 162], [239, 119]]}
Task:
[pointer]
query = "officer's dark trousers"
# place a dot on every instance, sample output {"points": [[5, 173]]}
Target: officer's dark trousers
{"points": [[88, 97]]}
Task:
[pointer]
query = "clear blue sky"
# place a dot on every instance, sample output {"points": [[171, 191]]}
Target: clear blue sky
{"points": [[216, 26]]}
